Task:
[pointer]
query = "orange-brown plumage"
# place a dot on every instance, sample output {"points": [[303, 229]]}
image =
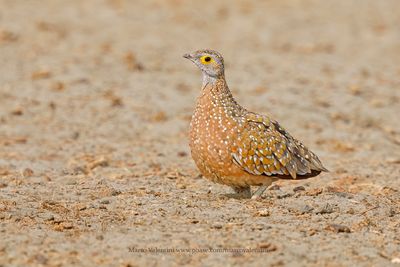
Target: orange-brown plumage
{"points": [[236, 147]]}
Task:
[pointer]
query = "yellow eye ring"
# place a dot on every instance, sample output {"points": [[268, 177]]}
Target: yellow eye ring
{"points": [[206, 59]]}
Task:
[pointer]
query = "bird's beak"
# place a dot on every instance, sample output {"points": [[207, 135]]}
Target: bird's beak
{"points": [[188, 56]]}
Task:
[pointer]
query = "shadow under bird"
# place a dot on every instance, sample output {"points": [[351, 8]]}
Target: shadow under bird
{"points": [[239, 148]]}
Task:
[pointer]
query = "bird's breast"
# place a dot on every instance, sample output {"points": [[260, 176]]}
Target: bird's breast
{"points": [[212, 132]]}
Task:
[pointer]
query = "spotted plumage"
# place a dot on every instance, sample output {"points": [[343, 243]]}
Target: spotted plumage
{"points": [[233, 146]]}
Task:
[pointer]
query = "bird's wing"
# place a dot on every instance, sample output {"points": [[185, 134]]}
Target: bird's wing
{"points": [[263, 147]]}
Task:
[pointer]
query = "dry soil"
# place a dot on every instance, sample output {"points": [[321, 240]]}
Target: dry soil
{"points": [[95, 102]]}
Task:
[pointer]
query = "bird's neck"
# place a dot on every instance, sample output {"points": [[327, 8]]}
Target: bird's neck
{"points": [[215, 84], [215, 89], [211, 80]]}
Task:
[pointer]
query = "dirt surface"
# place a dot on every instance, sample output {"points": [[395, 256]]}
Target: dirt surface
{"points": [[95, 102]]}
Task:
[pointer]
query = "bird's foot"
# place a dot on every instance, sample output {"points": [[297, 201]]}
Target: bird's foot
{"points": [[257, 194]]}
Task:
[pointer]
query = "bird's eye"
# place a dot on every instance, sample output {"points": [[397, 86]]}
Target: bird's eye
{"points": [[206, 59]]}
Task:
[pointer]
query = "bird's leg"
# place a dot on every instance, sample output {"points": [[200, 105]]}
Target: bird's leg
{"points": [[242, 192], [261, 190]]}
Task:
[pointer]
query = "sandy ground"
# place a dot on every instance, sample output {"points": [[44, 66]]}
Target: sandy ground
{"points": [[95, 102]]}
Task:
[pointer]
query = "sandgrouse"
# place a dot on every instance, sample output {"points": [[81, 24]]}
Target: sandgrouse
{"points": [[233, 146]]}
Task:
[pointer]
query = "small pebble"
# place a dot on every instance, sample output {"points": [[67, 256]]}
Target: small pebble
{"points": [[298, 188], [306, 209], [283, 195], [395, 260], [58, 220], [259, 226], [326, 209], [181, 186], [70, 181], [338, 228], [312, 232], [68, 225], [114, 192], [217, 226], [41, 259], [391, 212], [17, 112], [47, 217], [182, 154], [263, 213], [314, 192], [344, 195], [351, 211], [275, 187], [27, 172]]}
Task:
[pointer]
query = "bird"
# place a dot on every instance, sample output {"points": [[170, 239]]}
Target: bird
{"points": [[236, 147]]}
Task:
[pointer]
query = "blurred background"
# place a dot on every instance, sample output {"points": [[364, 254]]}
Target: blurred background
{"points": [[95, 102]]}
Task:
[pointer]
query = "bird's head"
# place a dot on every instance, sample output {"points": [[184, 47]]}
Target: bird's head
{"points": [[210, 62]]}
